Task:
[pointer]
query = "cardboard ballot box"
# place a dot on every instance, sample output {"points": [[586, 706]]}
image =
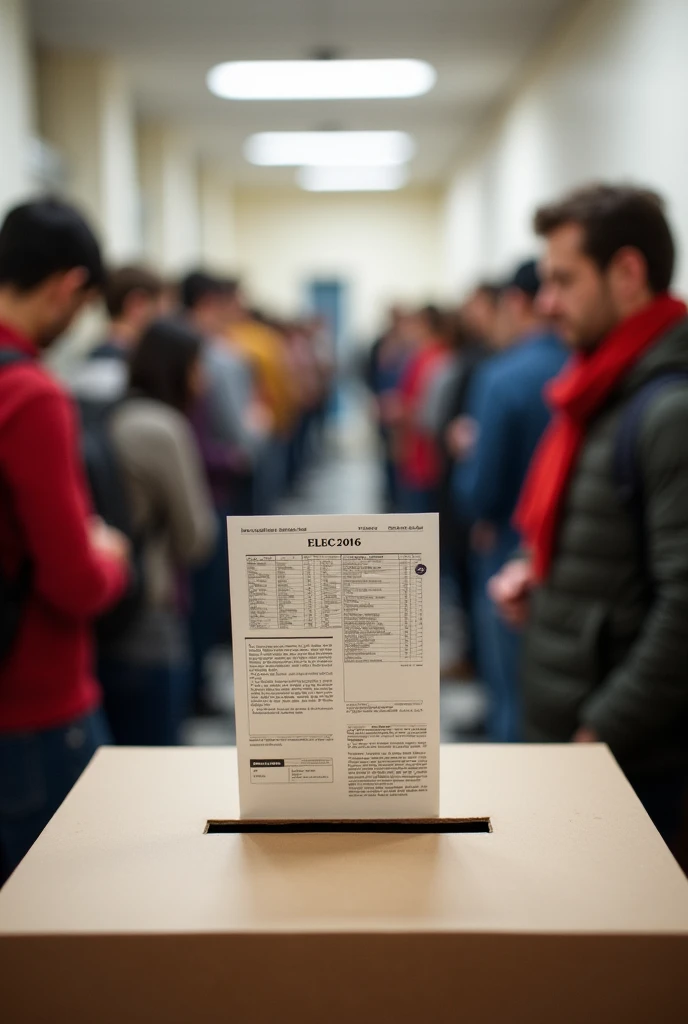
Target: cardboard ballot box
{"points": [[555, 901]]}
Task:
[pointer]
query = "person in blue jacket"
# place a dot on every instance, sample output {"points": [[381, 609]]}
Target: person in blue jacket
{"points": [[508, 415]]}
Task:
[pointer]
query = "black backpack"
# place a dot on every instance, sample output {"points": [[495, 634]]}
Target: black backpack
{"points": [[110, 501], [626, 457], [14, 593]]}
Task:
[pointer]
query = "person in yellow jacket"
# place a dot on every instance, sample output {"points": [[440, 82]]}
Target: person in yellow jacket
{"points": [[266, 350]]}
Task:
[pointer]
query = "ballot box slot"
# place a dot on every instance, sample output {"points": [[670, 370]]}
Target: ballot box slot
{"points": [[417, 826]]}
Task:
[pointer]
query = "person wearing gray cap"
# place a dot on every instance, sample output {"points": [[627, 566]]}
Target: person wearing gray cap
{"points": [[508, 415]]}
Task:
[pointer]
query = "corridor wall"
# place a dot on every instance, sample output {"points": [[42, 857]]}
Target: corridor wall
{"points": [[385, 247], [16, 104], [603, 101]]}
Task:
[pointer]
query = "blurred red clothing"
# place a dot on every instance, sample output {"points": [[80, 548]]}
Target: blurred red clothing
{"points": [[419, 462], [47, 680]]}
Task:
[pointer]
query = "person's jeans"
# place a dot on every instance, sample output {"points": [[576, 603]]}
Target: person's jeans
{"points": [[145, 705], [210, 616], [664, 801], [498, 649], [37, 771], [414, 501], [271, 477]]}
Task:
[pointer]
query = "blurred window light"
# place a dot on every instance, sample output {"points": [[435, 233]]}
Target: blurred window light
{"points": [[352, 179], [321, 79], [329, 149]]}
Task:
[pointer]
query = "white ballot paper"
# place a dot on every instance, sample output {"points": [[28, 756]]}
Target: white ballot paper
{"points": [[335, 623]]}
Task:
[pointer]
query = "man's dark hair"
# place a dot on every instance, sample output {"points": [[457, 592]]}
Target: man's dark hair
{"points": [[162, 361], [490, 289], [197, 286], [526, 279], [230, 286], [435, 318], [615, 217], [126, 281], [43, 238]]}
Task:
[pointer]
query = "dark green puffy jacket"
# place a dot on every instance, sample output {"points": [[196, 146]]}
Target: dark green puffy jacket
{"points": [[607, 645]]}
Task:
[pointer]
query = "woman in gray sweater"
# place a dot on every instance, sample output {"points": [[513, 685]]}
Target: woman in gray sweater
{"points": [[145, 673]]}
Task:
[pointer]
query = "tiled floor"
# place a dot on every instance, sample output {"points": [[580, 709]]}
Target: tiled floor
{"points": [[345, 480]]}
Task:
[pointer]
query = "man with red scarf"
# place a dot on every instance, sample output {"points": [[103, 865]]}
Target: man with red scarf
{"points": [[604, 586]]}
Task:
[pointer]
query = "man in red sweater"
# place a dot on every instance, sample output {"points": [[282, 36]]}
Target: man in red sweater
{"points": [[74, 565]]}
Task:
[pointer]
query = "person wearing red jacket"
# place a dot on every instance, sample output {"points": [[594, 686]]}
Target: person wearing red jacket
{"points": [[419, 461], [77, 567]]}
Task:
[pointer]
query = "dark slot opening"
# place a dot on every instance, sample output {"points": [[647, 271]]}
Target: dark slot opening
{"points": [[420, 826]]}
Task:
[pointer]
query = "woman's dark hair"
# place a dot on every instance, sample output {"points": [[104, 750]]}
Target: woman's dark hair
{"points": [[162, 361]]}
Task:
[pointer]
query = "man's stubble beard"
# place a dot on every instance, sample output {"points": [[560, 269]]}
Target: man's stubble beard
{"points": [[590, 338]]}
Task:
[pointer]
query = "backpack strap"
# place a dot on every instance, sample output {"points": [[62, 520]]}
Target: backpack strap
{"points": [[14, 593], [11, 356], [626, 468]]}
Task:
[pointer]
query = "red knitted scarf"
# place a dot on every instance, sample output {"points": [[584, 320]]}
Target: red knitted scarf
{"points": [[575, 395]]}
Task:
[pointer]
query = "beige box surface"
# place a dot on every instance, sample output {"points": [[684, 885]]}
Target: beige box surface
{"points": [[571, 909]]}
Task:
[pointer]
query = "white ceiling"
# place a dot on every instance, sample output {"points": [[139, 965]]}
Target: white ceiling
{"points": [[477, 46]]}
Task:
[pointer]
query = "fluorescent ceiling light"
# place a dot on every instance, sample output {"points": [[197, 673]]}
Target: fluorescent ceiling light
{"points": [[329, 149], [352, 179], [321, 79]]}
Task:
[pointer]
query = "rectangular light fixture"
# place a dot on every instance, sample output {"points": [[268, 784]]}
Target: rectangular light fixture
{"points": [[329, 149], [321, 79], [352, 179]]}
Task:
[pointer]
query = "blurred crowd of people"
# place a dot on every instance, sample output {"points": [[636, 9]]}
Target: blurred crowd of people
{"points": [[190, 407], [252, 393], [545, 420], [459, 400]]}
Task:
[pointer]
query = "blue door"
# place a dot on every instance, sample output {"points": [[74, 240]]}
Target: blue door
{"points": [[327, 298]]}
